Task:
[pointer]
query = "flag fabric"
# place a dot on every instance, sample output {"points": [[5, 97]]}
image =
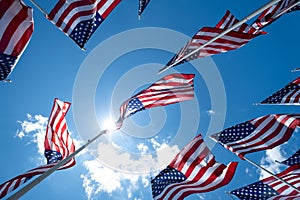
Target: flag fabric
{"points": [[170, 89], [272, 13], [232, 40], [193, 170], [285, 197], [58, 145], [258, 134], [271, 188], [16, 24], [289, 95], [142, 5], [79, 19], [293, 160]]}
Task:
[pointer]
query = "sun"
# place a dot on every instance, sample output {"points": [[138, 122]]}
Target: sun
{"points": [[109, 124]]}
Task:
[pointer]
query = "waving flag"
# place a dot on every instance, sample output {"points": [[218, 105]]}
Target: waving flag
{"points": [[293, 160], [16, 24], [58, 145], [193, 170], [289, 95], [142, 5], [274, 12], [232, 40], [271, 188], [170, 89], [258, 134], [78, 19]]}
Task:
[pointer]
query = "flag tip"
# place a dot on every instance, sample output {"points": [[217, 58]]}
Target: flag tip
{"points": [[139, 17], [6, 81], [255, 104], [165, 68]]}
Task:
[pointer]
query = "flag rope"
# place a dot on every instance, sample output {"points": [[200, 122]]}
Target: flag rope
{"points": [[36, 181], [221, 34]]}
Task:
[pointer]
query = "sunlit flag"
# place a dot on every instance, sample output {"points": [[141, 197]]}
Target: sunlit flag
{"points": [[193, 170], [16, 24], [142, 5], [232, 40], [58, 145], [293, 160], [271, 188], [289, 95], [258, 134], [274, 12], [170, 89], [78, 19]]}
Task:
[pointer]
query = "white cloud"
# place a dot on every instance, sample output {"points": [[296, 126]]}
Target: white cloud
{"points": [[269, 163], [34, 128], [115, 170]]}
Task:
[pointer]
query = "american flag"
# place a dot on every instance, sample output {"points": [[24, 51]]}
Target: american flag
{"points": [[232, 40], [78, 19], [16, 24], [271, 188], [58, 145], [142, 5], [258, 134], [289, 95], [293, 160], [274, 12], [193, 170], [170, 89]]}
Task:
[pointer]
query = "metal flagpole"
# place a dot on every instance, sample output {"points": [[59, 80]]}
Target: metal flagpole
{"points": [[297, 69], [280, 179], [222, 34], [262, 168], [39, 7], [290, 7], [229, 195], [30, 185]]}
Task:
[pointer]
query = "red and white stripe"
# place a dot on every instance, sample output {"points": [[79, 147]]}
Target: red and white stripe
{"points": [[293, 97], [170, 89], [231, 41], [271, 131], [57, 138], [16, 24], [290, 175], [67, 14], [202, 171], [272, 13]]}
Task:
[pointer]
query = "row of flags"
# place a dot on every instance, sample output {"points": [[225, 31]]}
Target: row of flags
{"points": [[78, 19]]}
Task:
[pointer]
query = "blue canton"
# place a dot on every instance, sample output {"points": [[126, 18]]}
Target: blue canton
{"points": [[52, 156], [255, 191], [164, 178], [142, 5], [7, 63], [295, 8], [236, 132], [134, 105], [277, 96], [84, 30], [293, 160]]}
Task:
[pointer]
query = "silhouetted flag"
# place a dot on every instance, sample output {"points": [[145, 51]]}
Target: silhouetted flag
{"points": [[58, 145], [274, 12], [289, 95], [170, 89], [232, 40], [293, 160], [258, 134], [78, 19], [142, 5], [16, 24], [193, 170], [271, 188]]}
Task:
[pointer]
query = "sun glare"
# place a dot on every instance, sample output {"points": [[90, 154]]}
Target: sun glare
{"points": [[109, 124]]}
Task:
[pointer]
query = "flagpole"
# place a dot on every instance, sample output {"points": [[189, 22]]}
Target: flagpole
{"points": [[38, 6], [260, 167], [221, 34], [36, 181], [264, 169], [290, 7], [229, 195], [296, 69], [276, 104]]}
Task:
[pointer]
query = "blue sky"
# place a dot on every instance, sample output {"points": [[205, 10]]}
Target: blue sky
{"points": [[121, 58]]}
